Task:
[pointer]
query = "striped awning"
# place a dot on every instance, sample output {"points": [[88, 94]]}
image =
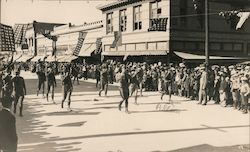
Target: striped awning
{"points": [[66, 58], [87, 49]]}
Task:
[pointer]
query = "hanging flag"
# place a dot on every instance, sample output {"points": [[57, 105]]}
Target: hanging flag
{"points": [[78, 47], [98, 45], [19, 33], [118, 39], [158, 24], [7, 42], [243, 17]]}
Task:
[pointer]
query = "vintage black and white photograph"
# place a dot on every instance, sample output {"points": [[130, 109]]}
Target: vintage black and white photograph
{"points": [[124, 75]]}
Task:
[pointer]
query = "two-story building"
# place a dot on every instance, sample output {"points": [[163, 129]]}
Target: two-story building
{"points": [[136, 29], [166, 30]]}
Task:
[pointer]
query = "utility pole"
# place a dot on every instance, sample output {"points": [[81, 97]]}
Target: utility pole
{"points": [[206, 41]]}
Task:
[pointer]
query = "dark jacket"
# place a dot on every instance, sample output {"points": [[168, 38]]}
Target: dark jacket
{"points": [[8, 135]]}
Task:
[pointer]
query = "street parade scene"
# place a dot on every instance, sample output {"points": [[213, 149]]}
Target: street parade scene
{"points": [[125, 76]]}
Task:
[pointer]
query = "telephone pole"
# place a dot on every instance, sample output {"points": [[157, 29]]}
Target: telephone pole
{"points": [[206, 41]]}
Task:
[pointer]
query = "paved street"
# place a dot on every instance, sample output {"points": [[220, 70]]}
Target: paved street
{"points": [[96, 125]]}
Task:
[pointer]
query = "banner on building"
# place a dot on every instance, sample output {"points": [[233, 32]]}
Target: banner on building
{"points": [[158, 24], [118, 39], [7, 41]]}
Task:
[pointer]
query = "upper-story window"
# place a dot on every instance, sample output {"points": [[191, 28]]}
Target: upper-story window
{"points": [[123, 20], [109, 23], [137, 18], [156, 9]]}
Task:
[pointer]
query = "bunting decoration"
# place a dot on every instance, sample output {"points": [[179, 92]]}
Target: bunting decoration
{"points": [[7, 41], [231, 17], [158, 24]]}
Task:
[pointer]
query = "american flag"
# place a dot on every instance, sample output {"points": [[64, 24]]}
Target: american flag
{"points": [[19, 33], [158, 24], [79, 43], [7, 42]]}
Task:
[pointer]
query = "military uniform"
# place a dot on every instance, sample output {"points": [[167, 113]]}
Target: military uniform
{"points": [[19, 92]]}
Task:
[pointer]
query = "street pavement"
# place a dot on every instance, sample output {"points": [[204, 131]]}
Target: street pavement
{"points": [[96, 125]]}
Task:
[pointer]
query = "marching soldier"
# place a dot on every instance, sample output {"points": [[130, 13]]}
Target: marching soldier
{"points": [[19, 92], [67, 87], [124, 88], [41, 77], [51, 83], [104, 80], [168, 78], [134, 85]]}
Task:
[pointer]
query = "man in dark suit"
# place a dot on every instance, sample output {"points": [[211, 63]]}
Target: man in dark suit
{"points": [[8, 135], [19, 92]]}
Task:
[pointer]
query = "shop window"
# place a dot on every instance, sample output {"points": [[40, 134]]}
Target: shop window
{"points": [[238, 47], [215, 46], [228, 46]]}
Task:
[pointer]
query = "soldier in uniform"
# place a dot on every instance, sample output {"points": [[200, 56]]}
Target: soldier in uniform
{"points": [[168, 78], [51, 83], [124, 88], [104, 80], [134, 85], [41, 77], [19, 92], [67, 86]]}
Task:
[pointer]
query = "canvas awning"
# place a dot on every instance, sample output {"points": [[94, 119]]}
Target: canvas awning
{"points": [[133, 53], [38, 57], [87, 49], [67, 58], [24, 58], [189, 56]]}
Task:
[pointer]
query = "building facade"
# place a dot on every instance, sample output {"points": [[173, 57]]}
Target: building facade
{"points": [[129, 24]]}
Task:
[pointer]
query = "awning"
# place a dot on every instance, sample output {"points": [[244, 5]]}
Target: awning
{"points": [[245, 63], [133, 53], [38, 57], [67, 58], [189, 56], [50, 58], [24, 58], [87, 49]]}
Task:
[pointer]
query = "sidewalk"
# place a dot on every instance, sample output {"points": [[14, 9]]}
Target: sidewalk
{"points": [[96, 125]]}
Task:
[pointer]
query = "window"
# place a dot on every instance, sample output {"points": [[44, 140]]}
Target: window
{"points": [[237, 47], [215, 46], [109, 23], [137, 18], [123, 20], [156, 9]]}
